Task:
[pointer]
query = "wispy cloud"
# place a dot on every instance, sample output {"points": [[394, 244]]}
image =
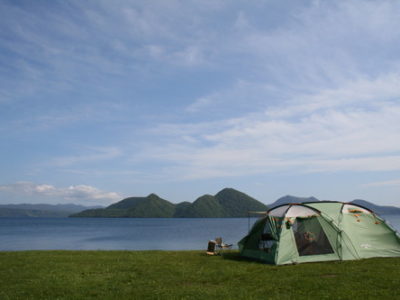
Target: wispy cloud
{"points": [[93, 154], [320, 49], [315, 101], [352, 128], [239, 99], [83, 194], [177, 90], [51, 43], [388, 183]]}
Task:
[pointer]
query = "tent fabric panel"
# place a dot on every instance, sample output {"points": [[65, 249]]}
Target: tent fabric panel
{"points": [[352, 209], [274, 225], [347, 249], [287, 251], [371, 236], [262, 241], [300, 211], [258, 255], [317, 258], [329, 209], [278, 211], [333, 234], [251, 240]]}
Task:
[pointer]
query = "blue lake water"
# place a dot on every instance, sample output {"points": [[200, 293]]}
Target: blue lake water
{"points": [[123, 234]]}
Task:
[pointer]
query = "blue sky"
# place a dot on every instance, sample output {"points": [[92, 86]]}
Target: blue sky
{"points": [[100, 100]]}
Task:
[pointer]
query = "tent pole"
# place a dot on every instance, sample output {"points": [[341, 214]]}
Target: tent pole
{"points": [[248, 221]]}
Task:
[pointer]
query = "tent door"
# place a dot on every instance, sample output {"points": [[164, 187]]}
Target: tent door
{"points": [[310, 237]]}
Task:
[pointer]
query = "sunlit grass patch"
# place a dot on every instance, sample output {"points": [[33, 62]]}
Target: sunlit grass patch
{"points": [[187, 275]]}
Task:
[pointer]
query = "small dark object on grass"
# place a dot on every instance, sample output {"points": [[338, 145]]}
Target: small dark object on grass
{"points": [[215, 247]]}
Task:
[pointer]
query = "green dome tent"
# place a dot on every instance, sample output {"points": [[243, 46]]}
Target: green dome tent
{"points": [[319, 231]]}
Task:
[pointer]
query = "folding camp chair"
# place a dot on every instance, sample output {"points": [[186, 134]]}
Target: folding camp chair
{"points": [[221, 245], [216, 247]]}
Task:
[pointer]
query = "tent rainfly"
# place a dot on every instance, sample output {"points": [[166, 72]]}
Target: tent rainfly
{"points": [[319, 231]]}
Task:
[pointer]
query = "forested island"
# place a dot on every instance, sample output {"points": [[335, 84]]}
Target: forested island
{"points": [[228, 203]]}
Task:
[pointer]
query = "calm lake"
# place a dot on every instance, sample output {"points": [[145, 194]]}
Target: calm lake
{"points": [[123, 234]]}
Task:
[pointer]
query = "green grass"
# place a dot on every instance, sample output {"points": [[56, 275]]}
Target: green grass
{"points": [[188, 275]]}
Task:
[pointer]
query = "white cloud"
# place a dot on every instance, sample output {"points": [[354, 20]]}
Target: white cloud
{"points": [[352, 128], [199, 104], [82, 194], [361, 92]]}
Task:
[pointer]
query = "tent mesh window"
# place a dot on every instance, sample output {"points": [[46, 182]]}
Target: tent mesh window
{"points": [[310, 237], [267, 240]]}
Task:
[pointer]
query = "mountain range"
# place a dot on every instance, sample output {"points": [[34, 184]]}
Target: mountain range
{"points": [[226, 203], [41, 210]]}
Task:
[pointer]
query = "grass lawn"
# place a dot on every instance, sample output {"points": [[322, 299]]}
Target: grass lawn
{"points": [[188, 275]]}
